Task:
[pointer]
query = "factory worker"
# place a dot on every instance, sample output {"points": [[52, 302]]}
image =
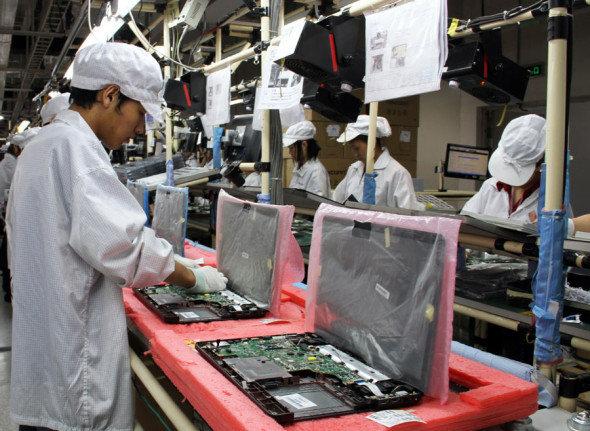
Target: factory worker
{"points": [[308, 173], [394, 187], [7, 167], [76, 237], [54, 106], [253, 179], [513, 191]]}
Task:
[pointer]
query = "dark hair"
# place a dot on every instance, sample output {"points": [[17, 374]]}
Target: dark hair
{"points": [[87, 98], [313, 150], [365, 139]]}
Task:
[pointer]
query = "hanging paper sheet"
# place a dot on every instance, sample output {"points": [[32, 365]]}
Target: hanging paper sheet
{"points": [[406, 47], [218, 97], [281, 88]]}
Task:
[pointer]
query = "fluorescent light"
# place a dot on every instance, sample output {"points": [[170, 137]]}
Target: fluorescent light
{"points": [[107, 28], [1, 117], [22, 126]]}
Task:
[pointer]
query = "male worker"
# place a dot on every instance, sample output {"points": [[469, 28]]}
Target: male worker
{"points": [[76, 237], [394, 187]]}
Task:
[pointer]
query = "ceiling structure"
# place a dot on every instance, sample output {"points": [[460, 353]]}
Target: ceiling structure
{"points": [[39, 38]]}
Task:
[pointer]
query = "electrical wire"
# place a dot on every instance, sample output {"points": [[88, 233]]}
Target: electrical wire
{"points": [[540, 6], [146, 43], [149, 405]]}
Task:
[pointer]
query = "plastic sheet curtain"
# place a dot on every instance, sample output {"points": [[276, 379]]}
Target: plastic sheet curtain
{"points": [[170, 213], [549, 281], [140, 193]]}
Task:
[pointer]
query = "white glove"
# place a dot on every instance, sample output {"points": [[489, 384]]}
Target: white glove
{"points": [[189, 263], [208, 280]]}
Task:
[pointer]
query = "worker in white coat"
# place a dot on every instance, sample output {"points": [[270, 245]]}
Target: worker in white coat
{"points": [[8, 163], [394, 187], [513, 191], [76, 238], [54, 106], [308, 172], [17, 143]]}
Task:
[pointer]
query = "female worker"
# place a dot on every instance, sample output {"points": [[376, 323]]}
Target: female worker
{"points": [[513, 191], [394, 187], [308, 173]]}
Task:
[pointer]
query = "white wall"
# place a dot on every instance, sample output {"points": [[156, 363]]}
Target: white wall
{"points": [[446, 116]]}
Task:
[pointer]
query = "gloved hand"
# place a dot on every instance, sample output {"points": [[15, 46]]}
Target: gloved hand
{"points": [[189, 263], [208, 280]]}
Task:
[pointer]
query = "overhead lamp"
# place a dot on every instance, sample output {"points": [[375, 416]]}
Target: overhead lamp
{"points": [[109, 25], [1, 117], [22, 126]]}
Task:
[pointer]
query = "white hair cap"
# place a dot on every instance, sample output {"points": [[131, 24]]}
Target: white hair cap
{"points": [[54, 106], [23, 138], [521, 146], [298, 132], [361, 127], [135, 71]]}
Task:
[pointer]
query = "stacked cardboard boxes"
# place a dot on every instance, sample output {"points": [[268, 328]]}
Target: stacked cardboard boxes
{"points": [[402, 115]]}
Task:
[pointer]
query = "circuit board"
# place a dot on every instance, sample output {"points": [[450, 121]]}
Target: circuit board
{"points": [[216, 297], [290, 368], [174, 305]]}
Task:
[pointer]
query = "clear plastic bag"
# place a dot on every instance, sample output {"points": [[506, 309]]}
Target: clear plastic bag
{"points": [[170, 213]]}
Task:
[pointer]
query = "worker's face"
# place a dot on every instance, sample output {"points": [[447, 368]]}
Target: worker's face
{"points": [[359, 149], [293, 151], [121, 122]]}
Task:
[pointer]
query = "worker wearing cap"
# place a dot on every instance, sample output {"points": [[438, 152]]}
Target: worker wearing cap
{"points": [[394, 187], [513, 191], [54, 106], [76, 237], [308, 173], [7, 168]]}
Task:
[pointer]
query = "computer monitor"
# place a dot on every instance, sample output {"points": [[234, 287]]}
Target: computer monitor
{"points": [[466, 162], [241, 141]]}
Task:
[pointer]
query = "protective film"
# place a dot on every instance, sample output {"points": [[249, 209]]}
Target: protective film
{"points": [[381, 286], [140, 194], [256, 249], [170, 212]]}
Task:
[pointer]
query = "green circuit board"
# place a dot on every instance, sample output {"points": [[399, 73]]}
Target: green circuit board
{"points": [[195, 297], [287, 354]]}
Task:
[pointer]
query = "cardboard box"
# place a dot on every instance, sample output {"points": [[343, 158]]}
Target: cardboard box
{"points": [[399, 112], [403, 142], [326, 134], [336, 169]]}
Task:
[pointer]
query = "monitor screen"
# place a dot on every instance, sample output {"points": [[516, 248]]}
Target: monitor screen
{"points": [[242, 142], [467, 162]]}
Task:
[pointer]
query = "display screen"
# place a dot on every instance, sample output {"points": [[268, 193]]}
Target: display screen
{"points": [[467, 162]]}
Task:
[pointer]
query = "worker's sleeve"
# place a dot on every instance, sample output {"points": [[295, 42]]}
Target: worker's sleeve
{"points": [[340, 190], [402, 194], [108, 232], [318, 179], [475, 204], [6, 173]]}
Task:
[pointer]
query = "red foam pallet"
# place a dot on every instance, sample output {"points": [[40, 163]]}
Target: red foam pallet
{"points": [[494, 396]]}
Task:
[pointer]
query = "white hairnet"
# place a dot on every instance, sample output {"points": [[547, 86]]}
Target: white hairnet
{"points": [[54, 106], [23, 138], [298, 132], [521, 146], [361, 127], [135, 71]]}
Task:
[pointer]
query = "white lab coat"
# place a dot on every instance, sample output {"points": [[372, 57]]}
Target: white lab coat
{"points": [[489, 201], [253, 179], [394, 187], [7, 166], [76, 236], [313, 177]]}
